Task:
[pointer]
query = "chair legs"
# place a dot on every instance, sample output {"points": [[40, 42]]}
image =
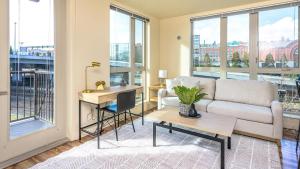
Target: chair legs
{"points": [[118, 119], [116, 130], [125, 117], [131, 121], [117, 122], [102, 117], [298, 138]]}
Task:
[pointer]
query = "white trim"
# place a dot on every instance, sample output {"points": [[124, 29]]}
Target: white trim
{"points": [[34, 152]]}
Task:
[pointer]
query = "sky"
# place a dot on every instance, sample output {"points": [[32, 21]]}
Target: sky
{"points": [[34, 22], [35, 25], [273, 25], [120, 28]]}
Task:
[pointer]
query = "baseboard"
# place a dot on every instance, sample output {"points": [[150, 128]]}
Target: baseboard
{"points": [[32, 153]]}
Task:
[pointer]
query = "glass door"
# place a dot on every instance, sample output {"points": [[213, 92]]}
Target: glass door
{"points": [[31, 66]]}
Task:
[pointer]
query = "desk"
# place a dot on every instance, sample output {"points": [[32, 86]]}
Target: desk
{"points": [[104, 96]]}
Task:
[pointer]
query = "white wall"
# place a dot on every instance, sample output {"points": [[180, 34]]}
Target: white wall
{"points": [[88, 40]]}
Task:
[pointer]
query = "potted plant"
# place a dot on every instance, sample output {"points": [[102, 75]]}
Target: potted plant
{"points": [[187, 97]]}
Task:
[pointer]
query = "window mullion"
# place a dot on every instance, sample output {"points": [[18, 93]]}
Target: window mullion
{"points": [[253, 47], [223, 47], [132, 50]]}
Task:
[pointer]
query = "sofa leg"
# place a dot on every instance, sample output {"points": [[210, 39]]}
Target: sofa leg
{"points": [[278, 142]]}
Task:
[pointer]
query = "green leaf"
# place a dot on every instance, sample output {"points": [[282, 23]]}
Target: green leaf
{"points": [[189, 95]]}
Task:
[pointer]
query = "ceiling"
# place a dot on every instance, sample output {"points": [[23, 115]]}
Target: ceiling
{"points": [[171, 8]]}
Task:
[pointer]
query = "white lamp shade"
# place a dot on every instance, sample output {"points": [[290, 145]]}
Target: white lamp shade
{"points": [[162, 73]]}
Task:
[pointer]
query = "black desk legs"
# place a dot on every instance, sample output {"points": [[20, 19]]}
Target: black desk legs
{"points": [[98, 124], [102, 117], [170, 130], [298, 138], [142, 108], [116, 129], [79, 119], [229, 142], [154, 134]]}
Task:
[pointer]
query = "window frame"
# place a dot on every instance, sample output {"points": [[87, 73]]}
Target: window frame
{"points": [[253, 68], [132, 69]]}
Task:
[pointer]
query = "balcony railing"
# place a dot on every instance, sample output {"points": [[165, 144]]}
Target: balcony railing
{"points": [[31, 95]]}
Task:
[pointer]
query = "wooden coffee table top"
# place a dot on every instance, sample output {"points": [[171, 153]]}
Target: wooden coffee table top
{"points": [[209, 122]]}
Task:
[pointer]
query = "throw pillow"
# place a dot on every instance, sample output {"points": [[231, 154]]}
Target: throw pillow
{"points": [[170, 83], [190, 83]]}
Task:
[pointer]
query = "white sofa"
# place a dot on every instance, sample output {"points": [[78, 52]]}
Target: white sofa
{"points": [[252, 102]]}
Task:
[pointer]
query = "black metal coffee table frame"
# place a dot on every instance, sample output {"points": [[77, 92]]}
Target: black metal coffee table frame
{"points": [[169, 126]]}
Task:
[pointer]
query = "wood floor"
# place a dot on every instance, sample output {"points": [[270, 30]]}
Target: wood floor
{"points": [[289, 157]]}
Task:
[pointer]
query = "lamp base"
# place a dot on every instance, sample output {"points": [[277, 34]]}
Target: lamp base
{"points": [[88, 91], [162, 84]]}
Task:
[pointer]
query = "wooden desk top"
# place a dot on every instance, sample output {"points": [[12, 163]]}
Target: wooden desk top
{"points": [[209, 122], [109, 94]]}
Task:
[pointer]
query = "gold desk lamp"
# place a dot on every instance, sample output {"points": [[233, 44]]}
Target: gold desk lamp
{"points": [[93, 64]]}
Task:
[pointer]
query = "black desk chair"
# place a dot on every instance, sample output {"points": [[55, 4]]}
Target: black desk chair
{"points": [[125, 102]]}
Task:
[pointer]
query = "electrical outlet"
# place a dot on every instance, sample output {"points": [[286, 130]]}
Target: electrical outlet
{"points": [[91, 114]]}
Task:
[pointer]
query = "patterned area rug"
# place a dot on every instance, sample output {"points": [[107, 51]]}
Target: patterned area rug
{"points": [[176, 150]]}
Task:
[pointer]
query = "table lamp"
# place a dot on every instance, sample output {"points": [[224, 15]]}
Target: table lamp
{"points": [[93, 64], [162, 75]]}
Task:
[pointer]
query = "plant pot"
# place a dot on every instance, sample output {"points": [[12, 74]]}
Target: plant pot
{"points": [[184, 109], [188, 110]]}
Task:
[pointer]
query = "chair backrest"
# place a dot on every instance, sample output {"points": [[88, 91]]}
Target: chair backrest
{"points": [[126, 100], [298, 87]]}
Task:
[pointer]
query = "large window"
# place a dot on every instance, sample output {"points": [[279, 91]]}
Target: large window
{"points": [[127, 48], [238, 41], [278, 38], [260, 44], [119, 39], [206, 43]]}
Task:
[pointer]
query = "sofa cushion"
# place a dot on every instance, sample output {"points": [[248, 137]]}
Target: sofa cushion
{"points": [[254, 92], [202, 105], [174, 101], [170, 101], [242, 111], [208, 85], [191, 83], [170, 83]]}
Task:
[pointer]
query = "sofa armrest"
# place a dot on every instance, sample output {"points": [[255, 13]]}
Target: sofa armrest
{"points": [[276, 108], [161, 94]]}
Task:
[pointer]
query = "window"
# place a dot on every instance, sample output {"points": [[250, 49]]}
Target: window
{"points": [[115, 78], [139, 43], [238, 41], [32, 66], [258, 44], [119, 39], [206, 43], [127, 47], [278, 38], [238, 76]]}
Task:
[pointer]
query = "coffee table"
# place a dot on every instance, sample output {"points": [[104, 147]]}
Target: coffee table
{"points": [[209, 123]]}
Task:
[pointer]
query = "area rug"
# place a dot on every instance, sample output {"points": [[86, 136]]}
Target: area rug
{"points": [[176, 150]]}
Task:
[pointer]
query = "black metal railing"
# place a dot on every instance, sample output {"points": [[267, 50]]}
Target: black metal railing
{"points": [[31, 95]]}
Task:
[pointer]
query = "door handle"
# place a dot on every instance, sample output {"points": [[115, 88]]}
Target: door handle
{"points": [[3, 93]]}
